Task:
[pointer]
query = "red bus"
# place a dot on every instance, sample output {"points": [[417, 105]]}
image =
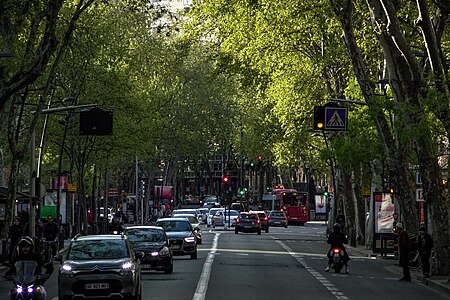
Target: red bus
{"points": [[295, 204]]}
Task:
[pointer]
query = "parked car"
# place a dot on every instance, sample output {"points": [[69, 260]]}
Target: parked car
{"points": [[154, 243], [277, 218], [221, 218], [211, 214], [195, 225], [263, 219], [181, 235], [248, 222], [103, 266]]}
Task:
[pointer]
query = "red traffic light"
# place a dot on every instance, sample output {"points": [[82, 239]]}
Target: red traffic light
{"points": [[260, 157], [225, 179]]}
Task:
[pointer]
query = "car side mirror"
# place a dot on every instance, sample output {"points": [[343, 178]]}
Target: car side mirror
{"points": [[58, 257], [139, 254]]}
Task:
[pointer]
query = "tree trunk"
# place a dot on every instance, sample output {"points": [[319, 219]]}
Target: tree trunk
{"points": [[360, 222]]}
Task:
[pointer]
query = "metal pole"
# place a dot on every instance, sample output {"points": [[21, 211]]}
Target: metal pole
{"points": [[32, 211], [136, 187]]}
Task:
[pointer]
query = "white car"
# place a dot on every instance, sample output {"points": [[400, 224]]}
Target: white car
{"points": [[211, 214], [225, 217]]}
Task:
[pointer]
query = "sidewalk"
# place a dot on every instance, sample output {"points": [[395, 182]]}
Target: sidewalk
{"points": [[439, 283]]}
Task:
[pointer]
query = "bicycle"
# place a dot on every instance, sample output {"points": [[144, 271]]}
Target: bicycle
{"points": [[46, 249]]}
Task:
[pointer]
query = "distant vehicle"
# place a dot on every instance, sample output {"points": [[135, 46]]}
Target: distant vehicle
{"points": [[152, 241], [248, 222], [203, 212], [190, 211], [104, 266], [277, 218], [181, 235], [293, 203], [238, 206], [211, 214], [195, 223], [221, 218], [264, 220], [102, 213]]}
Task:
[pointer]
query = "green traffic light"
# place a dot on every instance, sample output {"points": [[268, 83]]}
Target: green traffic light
{"points": [[325, 194]]}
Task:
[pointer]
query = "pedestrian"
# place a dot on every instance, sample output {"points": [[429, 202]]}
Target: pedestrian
{"points": [[425, 243], [15, 233], [403, 243]]}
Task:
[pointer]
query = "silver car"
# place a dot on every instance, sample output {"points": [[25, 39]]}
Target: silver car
{"points": [[99, 266]]}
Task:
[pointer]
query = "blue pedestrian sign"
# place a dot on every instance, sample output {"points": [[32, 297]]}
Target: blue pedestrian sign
{"points": [[336, 118]]}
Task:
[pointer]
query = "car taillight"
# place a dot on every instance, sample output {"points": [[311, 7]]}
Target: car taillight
{"points": [[266, 218], [258, 221], [238, 220], [336, 250]]}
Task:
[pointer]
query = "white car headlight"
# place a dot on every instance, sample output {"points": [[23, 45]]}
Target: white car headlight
{"points": [[128, 266], [190, 239]]}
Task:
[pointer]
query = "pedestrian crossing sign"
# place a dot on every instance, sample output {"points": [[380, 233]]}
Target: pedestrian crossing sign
{"points": [[336, 118]]}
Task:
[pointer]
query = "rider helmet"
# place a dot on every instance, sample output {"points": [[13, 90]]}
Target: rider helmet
{"points": [[337, 226], [26, 240]]}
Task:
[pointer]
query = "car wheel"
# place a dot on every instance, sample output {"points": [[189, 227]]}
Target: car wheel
{"points": [[236, 231], [194, 255], [169, 270], [285, 226], [267, 230], [259, 232]]}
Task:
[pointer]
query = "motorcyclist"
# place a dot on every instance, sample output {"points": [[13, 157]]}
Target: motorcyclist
{"points": [[115, 227], [336, 239]]}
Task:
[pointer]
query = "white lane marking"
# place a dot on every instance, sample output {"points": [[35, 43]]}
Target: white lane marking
{"points": [[328, 285], [202, 286]]}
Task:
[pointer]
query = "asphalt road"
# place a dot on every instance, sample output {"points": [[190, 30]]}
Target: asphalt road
{"points": [[286, 263]]}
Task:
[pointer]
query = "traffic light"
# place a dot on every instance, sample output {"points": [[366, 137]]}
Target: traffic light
{"points": [[392, 190], [444, 181], [319, 118], [252, 165], [225, 180], [325, 194], [260, 158]]}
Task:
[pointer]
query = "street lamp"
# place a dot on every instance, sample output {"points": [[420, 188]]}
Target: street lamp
{"points": [[33, 173]]}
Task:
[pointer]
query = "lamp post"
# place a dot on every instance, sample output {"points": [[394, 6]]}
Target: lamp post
{"points": [[33, 173]]}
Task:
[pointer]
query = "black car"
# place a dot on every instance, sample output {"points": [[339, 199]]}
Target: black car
{"points": [[248, 222], [264, 220], [102, 266], [154, 243], [181, 236]]}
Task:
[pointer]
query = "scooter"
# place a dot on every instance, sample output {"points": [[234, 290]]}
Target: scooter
{"points": [[27, 285], [337, 256]]}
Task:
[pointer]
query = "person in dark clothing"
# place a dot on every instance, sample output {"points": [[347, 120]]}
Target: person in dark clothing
{"points": [[50, 232], [403, 244], [336, 239], [425, 243], [15, 232], [340, 219], [115, 227]]}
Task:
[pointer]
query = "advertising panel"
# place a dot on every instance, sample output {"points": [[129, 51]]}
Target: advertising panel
{"points": [[384, 213]]}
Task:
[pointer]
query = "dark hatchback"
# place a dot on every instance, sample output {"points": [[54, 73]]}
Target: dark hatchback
{"points": [[248, 222], [181, 236], [263, 219], [278, 218], [154, 243]]}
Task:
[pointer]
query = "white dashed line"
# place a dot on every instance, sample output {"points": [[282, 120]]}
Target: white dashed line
{"points": [[328, 285]]}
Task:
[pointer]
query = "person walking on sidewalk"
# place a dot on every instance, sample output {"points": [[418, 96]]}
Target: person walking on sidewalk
{"points": [[403, 243], [425, 243]]}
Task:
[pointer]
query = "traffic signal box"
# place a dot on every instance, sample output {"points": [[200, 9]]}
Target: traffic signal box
{"points": [[225, 180], [319, 118]]}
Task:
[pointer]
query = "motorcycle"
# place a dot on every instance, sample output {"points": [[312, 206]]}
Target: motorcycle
{"points": [[337, 256], [27, 285]]}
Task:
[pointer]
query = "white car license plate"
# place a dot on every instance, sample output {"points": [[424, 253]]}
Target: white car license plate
{"points": [[247, 226], [176, 247], [146, 266], [96, 286], [277, 222]]}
